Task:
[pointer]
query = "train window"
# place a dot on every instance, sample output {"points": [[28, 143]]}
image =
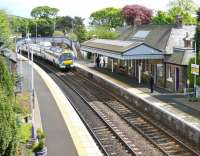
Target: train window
{"points": [[65, 56]]}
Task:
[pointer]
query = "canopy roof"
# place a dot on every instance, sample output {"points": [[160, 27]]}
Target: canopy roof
{"points": [[124, 50]]}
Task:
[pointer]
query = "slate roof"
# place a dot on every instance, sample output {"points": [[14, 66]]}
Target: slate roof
{"points": [[180, 56], [112, 45], [157, 37]]}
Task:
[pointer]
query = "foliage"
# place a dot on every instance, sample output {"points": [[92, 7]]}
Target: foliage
{"points": [[24, 133], [19, 25], [136, 14], [8, 127], [4, 29], [44, 27], [40, 145], [22, 104], [197, 36], [64, 23], [162, 17], [188, 6], [73, 36], [110, 17], [186, 16], [58, 33], [44, 12], [79, 28], [191, 76], [184, 8], [6, 80], [44, 18], [102, 33]]}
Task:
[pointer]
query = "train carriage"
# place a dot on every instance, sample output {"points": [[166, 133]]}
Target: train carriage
{"points": [[62, 58]]}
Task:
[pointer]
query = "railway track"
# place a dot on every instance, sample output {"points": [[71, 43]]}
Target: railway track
{"points": [[161, 139], [110, 141]]}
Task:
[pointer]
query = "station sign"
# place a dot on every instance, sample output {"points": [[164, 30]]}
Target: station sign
{"points": [[195, 69]]}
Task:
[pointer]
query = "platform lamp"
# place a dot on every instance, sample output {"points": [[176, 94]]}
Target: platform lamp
{"points": [[33, 134]]}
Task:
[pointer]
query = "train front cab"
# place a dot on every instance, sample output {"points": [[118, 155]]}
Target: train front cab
{"points": [[66, 61]]}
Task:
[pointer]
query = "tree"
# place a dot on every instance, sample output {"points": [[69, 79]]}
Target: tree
{"points": [[19, 25], [101, 32], [44, 17], [64, 23], [136, 14], [162, 17], [4, 29], [197, 36], [44, 27], [111, 17], [184, 8], [44, 12], [186, 16], [8, 128], [79, 28], [188, 6]]}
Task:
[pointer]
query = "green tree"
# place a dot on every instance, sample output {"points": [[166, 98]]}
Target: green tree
{"points": [[189, 6], [78, 28], [197, 36], [184, 8], [162, 17], [4, 28], [19, 25], [44, 12], [64, 23], [110, 17], [186, 16], [101, 33], [8, 140], [45, 17], [44, 27]]}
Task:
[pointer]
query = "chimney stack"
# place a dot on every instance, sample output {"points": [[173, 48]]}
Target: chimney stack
{"points": [[187, 41], [178, 21]]}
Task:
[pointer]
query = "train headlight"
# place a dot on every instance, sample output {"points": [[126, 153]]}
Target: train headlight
{"points": [[67, 62]]}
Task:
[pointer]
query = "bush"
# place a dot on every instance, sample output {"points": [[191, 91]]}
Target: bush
{"points": [[24, 133], [38, 147]]}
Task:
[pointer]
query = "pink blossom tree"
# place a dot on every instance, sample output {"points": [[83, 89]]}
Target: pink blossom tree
{"points": [[136, 14]]}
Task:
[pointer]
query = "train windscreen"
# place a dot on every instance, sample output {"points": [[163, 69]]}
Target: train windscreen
{"points": [[66, 56]]}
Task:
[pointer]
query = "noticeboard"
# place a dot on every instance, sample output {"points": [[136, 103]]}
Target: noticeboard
{"points": [[195, 69]]}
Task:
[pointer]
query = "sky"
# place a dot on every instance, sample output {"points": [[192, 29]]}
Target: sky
{"points": [[82, 8]]}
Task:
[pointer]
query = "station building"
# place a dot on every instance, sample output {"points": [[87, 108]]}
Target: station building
{"points": [[162, 51]]}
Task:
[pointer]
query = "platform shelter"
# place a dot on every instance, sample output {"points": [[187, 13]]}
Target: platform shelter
{"points": [[133, 58]]}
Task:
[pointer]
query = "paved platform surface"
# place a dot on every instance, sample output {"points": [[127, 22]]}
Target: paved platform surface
{"points": [[60, 122], [181, 109]]}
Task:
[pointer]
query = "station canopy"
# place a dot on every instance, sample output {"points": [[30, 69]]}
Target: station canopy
{"points": [[124, 50]]}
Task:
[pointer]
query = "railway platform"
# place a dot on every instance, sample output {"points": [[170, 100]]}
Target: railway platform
{"points": [[174, 110], [64, 130]]}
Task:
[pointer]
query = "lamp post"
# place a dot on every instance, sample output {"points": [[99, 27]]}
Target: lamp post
{"points": [[195, 77], [32, 90], [32, 98]]}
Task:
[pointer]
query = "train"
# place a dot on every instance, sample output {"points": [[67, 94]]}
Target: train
{"points": [[63, 58]]}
